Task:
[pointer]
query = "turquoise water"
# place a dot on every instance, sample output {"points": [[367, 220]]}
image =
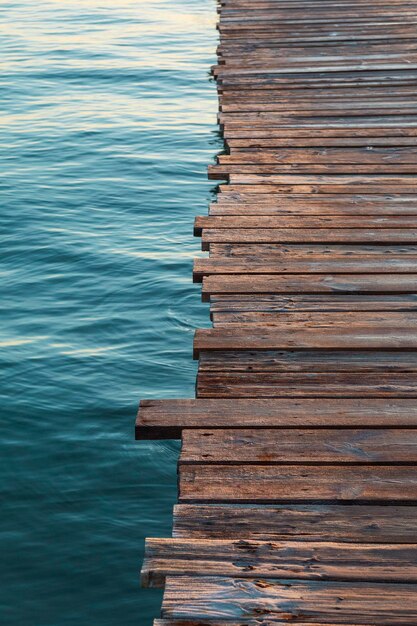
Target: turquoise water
{"points": [[108, 123]]}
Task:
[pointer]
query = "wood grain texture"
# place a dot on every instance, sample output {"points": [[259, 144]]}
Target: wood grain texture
{"points": [[354, 523], [344, 265], [328, 337], [297, 483], [299, 446], [291, 601], [310, 284], [308, 560], [302, 303], [245, 622]]}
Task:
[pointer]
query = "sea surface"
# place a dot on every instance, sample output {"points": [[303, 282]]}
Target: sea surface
{"points": [[108, 123]]}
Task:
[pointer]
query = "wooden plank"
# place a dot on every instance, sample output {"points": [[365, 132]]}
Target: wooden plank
{"points": [[165, 419], [245, 622], [292, 601], [221, 172], [310, 361], [310, 156], [302, 235], [323, 560], [336, 179], [257, 222], [332, 336], [316, 320], [305, 385], [306, 303], [354, 523], [295, 252], [309, 283], [299, 446], [297, 483], [258, 317], [174, 622], [261, 209], [246, 265], [293, 97]]}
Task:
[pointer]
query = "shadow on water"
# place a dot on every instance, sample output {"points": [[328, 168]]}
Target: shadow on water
{"points": [[108, 125]]}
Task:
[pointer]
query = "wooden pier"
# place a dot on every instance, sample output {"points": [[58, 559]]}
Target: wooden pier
{"points": [[297, 474]]}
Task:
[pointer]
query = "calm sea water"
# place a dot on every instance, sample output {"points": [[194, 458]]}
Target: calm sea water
{"points": [[108, 124]]}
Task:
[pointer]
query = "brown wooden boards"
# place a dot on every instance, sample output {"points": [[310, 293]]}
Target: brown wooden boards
{"points": [[297, 472]]}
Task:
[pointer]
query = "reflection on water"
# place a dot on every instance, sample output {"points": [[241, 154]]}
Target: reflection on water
{"points": [[107, 127]]}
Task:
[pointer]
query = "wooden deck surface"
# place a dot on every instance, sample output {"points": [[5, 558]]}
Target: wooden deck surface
{"points": [[297, 475]]}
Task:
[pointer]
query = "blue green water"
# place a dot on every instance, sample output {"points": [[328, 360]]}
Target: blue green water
{"points": [[108, 122]]}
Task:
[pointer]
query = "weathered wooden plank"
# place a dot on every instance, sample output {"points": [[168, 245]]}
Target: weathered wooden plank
{"points": [[309, 361], [317, 320], [354, 523], [322, 79], [256, 622], [332, 336], [222, 172], [295, 251], [299, 446], [382, 604], [165, 419], [247, 265], [282, 303], [306, 385], [342, 180], [303, 221], [235, 319], [297, 483], [314, 251], [303, 97], [303, 235], [284, 209], [309, 283], [323, 560], [309, 156]]}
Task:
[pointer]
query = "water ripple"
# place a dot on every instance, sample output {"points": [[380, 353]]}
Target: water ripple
{"points": [[107, 126]]}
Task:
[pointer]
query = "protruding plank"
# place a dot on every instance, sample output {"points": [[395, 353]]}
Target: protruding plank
{"points": [[381, 604], [320, 522], [299, 446], [165, 419], [321, 560]]}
